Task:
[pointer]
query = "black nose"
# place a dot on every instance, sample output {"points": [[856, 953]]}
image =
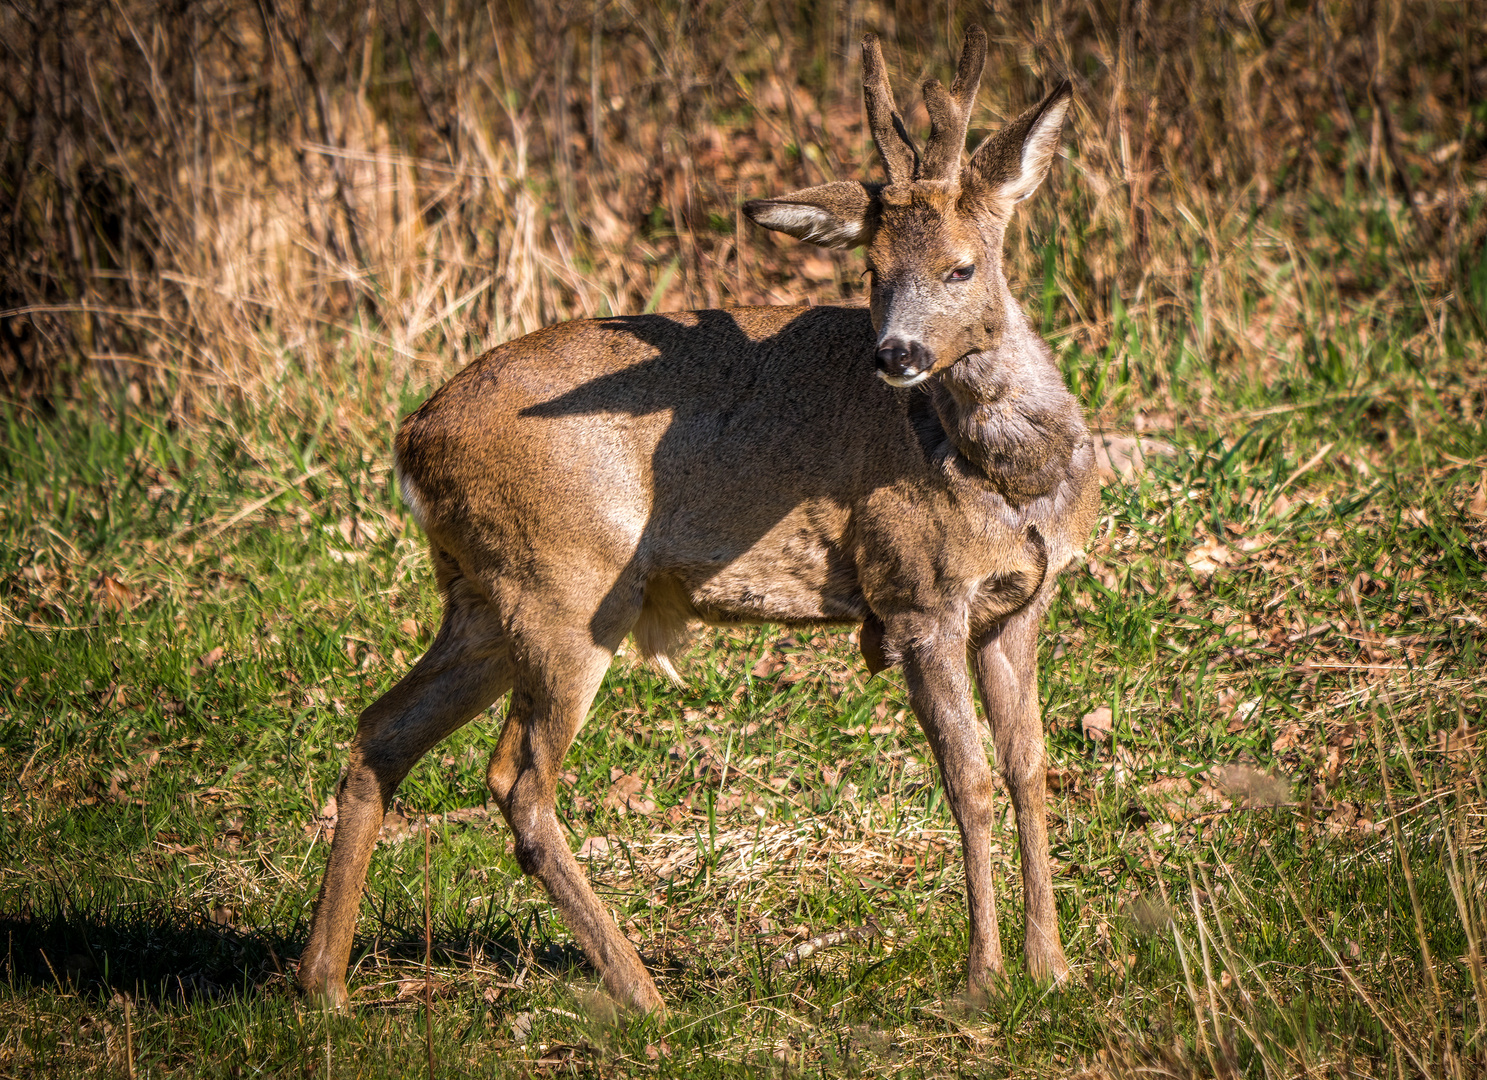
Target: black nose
{"points": [[899, 359], [892, 355]]}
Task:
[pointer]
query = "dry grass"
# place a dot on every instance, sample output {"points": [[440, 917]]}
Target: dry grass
{"points": [[238, 202]]}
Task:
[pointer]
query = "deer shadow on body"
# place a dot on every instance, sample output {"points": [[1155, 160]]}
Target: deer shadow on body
{"points": [[752, 439]]}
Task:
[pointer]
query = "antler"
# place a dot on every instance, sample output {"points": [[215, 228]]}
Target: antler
{"points": [[900, 155], [950, 111]]}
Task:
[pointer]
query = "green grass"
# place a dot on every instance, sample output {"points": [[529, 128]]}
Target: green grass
{"points": [[194, 616]]}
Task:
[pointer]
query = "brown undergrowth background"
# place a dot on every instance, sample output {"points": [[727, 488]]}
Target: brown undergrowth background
{"points": [[207, 202]]}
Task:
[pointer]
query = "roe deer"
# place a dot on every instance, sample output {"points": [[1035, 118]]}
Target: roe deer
{"points": [[918, 468]]}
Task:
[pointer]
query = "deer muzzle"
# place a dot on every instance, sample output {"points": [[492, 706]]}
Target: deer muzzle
{"points": [[903, 363]]}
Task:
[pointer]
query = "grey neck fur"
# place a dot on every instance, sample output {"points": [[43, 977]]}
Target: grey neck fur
{"points": [[1007, 410]]}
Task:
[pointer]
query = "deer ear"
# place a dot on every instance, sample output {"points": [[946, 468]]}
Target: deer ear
{"points": [[841, 215], [1011, 164]]}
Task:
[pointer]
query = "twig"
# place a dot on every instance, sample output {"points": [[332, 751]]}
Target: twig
{"points": [[1304, 469], [128, 1040], [428, 961], [810, 946], [48, 961], [46, 628]]}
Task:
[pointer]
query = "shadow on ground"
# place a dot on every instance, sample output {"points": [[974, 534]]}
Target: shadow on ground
{"points": [[153, 954], [162, 955]]}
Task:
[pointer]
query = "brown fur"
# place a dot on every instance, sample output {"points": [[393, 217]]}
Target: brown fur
{"points": [[639, 475]]}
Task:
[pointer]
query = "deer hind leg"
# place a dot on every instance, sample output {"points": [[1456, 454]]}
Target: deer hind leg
{"points": [[1007, 674], [940, 693], [466, 668], [557, 677]]}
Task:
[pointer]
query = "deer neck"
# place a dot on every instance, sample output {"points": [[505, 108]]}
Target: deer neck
{"points": [[1007, 411]]}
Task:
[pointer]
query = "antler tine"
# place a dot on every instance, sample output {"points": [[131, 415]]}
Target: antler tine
{"points": [[900, 155], [950, 111]]}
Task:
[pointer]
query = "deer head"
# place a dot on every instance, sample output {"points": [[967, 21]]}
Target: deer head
{"points": [[934, 232]]}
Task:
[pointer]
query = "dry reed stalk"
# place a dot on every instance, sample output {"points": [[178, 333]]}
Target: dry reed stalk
{"points": [[428, 959], [128, 1039]]}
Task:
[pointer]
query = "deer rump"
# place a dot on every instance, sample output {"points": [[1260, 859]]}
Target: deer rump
{"points": [[710, 467]]}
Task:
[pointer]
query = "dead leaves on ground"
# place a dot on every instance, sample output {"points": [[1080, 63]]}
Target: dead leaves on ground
{"points": [[629, 794], [1098, 724], [1126, 457], [398, 824]]}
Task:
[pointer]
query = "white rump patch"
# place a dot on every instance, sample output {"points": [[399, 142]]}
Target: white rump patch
{"points": [[411, 497]]}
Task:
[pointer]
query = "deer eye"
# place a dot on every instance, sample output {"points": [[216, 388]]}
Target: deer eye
{"points": [[962, 273]]}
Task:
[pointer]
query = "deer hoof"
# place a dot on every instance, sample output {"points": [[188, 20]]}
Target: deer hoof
{"points": [[647, 999], [1049, 966], [329, 994], [987, 980]]}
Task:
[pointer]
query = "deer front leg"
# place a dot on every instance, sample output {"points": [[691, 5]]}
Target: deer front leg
{"points": [[1007, 674], [940, 693]]}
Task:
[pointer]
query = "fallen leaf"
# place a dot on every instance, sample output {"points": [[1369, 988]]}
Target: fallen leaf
{"points": [[356, 532], [1126, 457], [1099, 724], [396, 827], [1478, 504], [1290, 735], [1207, 559], [592, 846], [629, 793], [1342, 818], [766, 666], [1240, 715], [116, 595], [1058, 780]]}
